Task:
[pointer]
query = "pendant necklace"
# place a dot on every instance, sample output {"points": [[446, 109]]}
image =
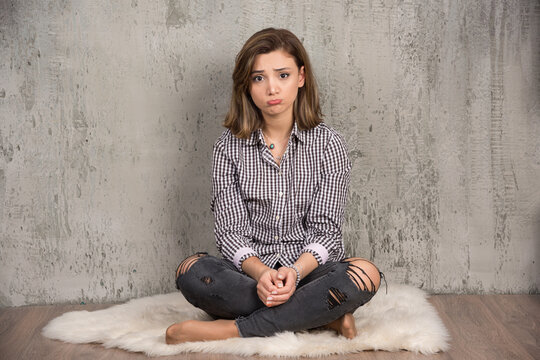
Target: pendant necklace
{"points": [[272, 146]]}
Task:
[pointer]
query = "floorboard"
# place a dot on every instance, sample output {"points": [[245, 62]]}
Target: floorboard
{"points": [[481, 327]]}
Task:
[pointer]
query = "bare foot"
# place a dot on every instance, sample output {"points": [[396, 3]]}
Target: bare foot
{"points": [[344, 326], [194, 330]]}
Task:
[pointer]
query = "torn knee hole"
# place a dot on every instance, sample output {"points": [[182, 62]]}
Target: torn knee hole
{"points": [[360, 278], [187, 263], [335, 298]]}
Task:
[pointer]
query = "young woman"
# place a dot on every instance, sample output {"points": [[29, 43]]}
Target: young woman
{"points": [[280, 183]]}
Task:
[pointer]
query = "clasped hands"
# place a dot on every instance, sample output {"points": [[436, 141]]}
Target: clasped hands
{"points": [[275, 287]]}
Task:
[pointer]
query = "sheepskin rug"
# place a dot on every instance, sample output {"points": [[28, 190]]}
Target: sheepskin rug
{"points": [[401, 319]]}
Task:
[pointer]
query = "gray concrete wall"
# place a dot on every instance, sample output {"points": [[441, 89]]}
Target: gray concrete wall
{"points": [[109, 109]]}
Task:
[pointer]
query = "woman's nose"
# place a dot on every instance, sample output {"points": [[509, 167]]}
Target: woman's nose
{"points": [[272, 87]]}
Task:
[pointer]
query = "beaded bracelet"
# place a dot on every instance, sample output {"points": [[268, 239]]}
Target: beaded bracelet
{"points": [[297, 274]]}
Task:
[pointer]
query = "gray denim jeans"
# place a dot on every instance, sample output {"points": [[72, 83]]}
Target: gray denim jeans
{"points": [[216, 286]]}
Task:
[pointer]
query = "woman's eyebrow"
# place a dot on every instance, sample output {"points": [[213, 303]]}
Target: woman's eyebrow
{"points": [[262, 71]]}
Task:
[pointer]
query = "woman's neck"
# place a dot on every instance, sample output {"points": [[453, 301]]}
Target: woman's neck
{"points": [[276, 128]]}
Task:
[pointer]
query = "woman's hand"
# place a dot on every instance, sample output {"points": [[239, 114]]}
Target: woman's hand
{"points": [[275, 287], [285, 282], [267, 286]]}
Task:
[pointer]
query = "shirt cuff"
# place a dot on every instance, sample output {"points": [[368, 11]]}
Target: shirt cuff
{"points": [[241, 255], [317, 249]]}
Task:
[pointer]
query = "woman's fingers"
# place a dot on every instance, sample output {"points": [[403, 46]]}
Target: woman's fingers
{"points": [[263, 288], [288, 277], [276, 300], [275, 287], [278, 282], [269, 299], [279, 298], [266, 280], [263, 294], [282, 295], [266, 286]]}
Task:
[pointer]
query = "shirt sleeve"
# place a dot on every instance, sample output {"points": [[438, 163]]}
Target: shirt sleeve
{"points": [[232, 225], [325, 215]]}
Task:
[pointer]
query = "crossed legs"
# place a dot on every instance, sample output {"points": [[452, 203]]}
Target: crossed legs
{"points": [[362, 274]]}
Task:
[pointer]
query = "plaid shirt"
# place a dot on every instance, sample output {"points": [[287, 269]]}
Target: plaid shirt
{"points": [[279, 212]]}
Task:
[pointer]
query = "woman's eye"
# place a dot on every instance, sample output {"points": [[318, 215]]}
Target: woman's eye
{"points": [[257, 78], [284, 75]]}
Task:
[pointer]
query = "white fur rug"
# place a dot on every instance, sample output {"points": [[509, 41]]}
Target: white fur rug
{"points": [[401, 319]]}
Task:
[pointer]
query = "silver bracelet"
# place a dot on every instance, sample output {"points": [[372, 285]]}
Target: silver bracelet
{"points": [[297, 274]]}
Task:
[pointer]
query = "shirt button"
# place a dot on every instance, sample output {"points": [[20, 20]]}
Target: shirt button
{"points": [[278, 255], [280, 193], [279, 172], [276, 237], [277, 217]]}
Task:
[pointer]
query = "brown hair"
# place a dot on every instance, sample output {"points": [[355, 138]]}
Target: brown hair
{"points": [[244, 117]]}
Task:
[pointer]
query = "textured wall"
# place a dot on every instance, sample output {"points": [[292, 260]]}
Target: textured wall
{"points": [[108, 113]]}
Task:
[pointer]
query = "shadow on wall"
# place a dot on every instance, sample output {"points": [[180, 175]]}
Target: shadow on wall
{"points": [[199, 123]]}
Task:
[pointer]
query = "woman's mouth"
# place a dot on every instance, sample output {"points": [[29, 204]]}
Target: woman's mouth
{"points": [[274, 102]]}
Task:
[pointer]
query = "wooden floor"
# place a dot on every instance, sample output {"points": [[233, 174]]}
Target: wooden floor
{"points": [[482, 327]]}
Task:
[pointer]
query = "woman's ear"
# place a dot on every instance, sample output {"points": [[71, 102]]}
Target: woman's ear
{"points": [[301, 77]]}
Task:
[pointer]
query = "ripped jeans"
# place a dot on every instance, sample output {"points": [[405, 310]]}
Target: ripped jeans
{"points": [[330, 291]]}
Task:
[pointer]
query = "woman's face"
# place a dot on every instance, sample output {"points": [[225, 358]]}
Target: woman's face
{"points": [[274, 83]]}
